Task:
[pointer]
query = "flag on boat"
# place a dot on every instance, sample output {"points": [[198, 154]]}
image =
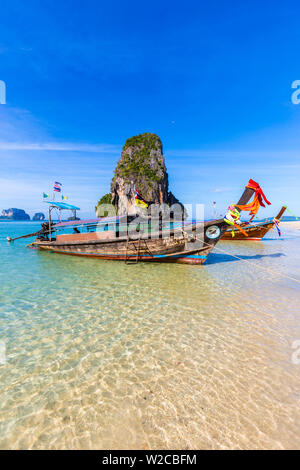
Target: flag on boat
{"points": [[57, 186], [215, 209], [139, 200], [64, 197], [45, 196]]}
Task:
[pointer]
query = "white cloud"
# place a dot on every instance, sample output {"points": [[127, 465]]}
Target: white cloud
{"points": [[20, 130], [59, 146]]}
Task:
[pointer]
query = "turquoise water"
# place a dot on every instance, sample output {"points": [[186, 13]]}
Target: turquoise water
{"points": [[99, 354]]}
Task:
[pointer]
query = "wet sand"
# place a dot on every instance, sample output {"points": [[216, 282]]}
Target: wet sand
{"points": [[291, 225]]}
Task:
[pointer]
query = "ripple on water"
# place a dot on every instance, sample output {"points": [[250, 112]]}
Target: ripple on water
{"points": [[104, 355]]}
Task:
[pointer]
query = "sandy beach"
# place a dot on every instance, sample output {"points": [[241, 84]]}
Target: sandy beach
{"points": [[295, 224]]}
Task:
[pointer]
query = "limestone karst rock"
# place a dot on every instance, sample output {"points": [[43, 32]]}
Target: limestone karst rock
{"points": [[142, 167]]}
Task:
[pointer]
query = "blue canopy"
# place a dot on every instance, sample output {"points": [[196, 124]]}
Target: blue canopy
{"points": [[63, 205]]}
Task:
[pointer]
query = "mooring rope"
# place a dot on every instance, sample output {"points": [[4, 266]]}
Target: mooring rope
{"points": [[272, 271]]}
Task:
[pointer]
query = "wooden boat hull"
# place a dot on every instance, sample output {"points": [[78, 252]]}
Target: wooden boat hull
{"points": [[189, 244], [163, 250], [194, 258], [254, 232]]}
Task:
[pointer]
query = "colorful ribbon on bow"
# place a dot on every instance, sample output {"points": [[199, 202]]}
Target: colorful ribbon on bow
{"points": [[276, 222], [259, 197], [233, 216]]}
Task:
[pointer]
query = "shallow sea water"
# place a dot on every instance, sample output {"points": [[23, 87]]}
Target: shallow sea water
{"points": [[104, 355]]}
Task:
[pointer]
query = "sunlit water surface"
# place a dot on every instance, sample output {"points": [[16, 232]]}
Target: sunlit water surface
{"points": [[100, 354]]}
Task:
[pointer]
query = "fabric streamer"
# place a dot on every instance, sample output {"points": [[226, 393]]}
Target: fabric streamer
{"points": [[276, 222], [259, 199], [139, 200], [232, 217]]}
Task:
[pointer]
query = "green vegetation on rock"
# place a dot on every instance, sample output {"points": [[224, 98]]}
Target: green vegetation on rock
{"points": [[140, 159], [148, 140], [106, 199]]}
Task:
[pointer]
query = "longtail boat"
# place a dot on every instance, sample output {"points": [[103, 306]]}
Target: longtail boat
{"points": [[132, 239], [254, 231]]}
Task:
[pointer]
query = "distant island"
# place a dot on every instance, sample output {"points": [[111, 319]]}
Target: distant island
{"points": [[14, 214], [38, 216], [19, 214]]}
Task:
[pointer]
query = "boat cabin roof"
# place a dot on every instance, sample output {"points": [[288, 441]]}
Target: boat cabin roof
{"points": [[63, 205]]}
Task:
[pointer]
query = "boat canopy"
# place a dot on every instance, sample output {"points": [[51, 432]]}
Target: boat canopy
{"points": [[63, 205]]}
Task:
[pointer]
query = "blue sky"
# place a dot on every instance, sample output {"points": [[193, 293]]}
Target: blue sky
{"points": [[212, 80]]}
